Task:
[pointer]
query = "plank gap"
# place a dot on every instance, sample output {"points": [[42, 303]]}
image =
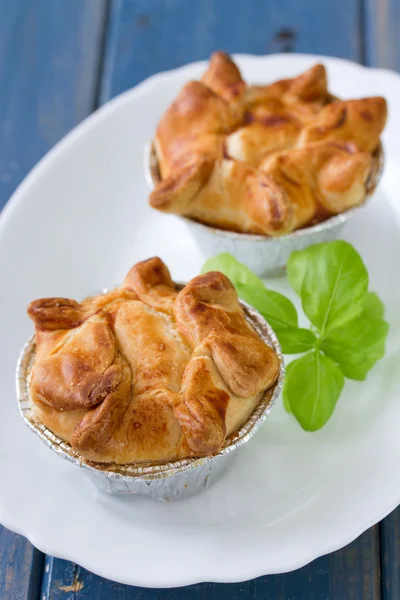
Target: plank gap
{"points": [[362, 15], [101, 58]]}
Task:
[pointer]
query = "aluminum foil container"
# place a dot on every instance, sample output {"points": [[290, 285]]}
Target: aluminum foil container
{"points": [[171, 481], [265, 256]]}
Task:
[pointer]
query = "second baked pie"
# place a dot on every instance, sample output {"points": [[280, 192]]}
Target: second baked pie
{"points": [[147, 373], [264, 159]]}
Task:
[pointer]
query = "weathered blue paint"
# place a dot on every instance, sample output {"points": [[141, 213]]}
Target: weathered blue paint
{"points": [[146, 37], [390, 556], [49, 56], [20, 568], [382, 18]]}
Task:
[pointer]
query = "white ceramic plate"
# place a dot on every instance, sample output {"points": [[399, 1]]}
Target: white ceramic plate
{"points": [[77, 224]]}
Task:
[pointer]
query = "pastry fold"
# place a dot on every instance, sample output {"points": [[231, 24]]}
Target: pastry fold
{"points": [[264, 159], [148, 373]]}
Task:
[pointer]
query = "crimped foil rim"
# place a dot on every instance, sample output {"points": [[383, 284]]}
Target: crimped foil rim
{"points": [[159, 471], [153, 179]]}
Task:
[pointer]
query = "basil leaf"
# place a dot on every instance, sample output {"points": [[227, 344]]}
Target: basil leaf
{"points": [[297, 266], [274, 307], [313, 385], [357, 346], [295, 340], [373, 307], [335, 285], [286, 404], [233, 269]]}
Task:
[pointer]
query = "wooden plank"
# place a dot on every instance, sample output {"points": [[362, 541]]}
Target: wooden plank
{"points": [[20, 567], [390, 549], [146, 37], [382, 20], [49, 57], [349, 574]]}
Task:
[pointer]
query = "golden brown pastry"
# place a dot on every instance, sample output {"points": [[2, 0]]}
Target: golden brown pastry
{"points": [[359, 121], [192, 126], [264, 159], [146, 373], [224, 78], [288, 190], [247, 199], [319, 180], [265, 135], [310, 90]]}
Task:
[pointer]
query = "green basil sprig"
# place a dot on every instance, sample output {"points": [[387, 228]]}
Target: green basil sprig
{"points": [[347, 335]]}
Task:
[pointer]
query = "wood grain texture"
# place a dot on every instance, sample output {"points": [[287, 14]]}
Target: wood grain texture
{"points": [[349, 574], [49, 57], [382, 19], [20, 568], [146, 37], [390, 556]]}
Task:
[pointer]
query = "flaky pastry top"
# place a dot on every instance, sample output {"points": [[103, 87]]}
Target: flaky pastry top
{"points": [[147, 373], [223, 147]]}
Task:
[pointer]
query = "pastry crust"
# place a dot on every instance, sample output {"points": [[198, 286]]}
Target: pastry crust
{"points": [[224, 78], [146, 373], [193, 126], [359, 121], [229, 153], [319, 180]]}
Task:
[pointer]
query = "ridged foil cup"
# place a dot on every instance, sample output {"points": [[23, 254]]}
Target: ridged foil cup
{"points": [[265, 256], [170, 481]]}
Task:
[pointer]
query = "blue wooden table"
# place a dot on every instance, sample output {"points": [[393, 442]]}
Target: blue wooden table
{"points": [[60, 60]]}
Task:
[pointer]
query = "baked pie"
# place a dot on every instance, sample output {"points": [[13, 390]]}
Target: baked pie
{"points": [[264, 159], [148, 373]]}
